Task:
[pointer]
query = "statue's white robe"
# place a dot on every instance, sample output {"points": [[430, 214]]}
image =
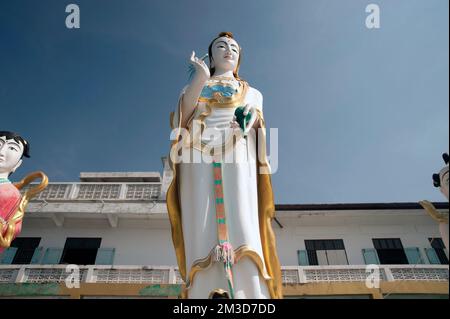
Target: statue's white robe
{"points": [[197, 203]]}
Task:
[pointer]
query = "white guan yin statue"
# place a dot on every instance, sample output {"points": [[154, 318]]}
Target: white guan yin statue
{"points": [[220, 201], [440, 180]]}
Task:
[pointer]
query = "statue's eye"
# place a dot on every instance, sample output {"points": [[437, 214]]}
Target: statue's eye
{"points": [[13, 149]]}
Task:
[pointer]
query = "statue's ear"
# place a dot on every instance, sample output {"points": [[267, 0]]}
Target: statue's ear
{"points": [[17, 166]]}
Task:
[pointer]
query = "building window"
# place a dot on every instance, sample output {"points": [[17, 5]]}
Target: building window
{"points": [[26, 246], [80, 251], [390, 251], [438, 245], [326, 252]]}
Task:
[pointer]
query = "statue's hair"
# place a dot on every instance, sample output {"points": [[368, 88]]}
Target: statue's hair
{"points": [[227, 35], [19, 139], [437, 176]]}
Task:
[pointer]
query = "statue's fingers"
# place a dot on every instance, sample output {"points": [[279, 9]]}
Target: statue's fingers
{"points": [[203, 64], [246, 109], [251, 122], [197, 62]]}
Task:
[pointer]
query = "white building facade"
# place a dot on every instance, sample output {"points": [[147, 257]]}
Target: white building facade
{"points": [[115, 227]]}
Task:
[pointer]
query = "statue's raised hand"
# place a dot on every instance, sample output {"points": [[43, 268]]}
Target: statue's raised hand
{"points": [[200, 67]]}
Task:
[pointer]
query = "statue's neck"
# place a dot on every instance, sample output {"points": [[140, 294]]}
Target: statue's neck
{"points": [[4, 180], [223, 73], [4, 175]]}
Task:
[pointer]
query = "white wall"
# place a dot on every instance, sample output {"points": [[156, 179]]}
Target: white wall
{"points": [[356, 232], [133, 246], [153, 246]]}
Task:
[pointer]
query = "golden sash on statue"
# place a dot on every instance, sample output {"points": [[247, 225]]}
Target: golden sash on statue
{"points": [[12, 225]]}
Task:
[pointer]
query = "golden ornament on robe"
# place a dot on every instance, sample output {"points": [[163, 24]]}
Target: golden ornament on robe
{"points": [[11, 225]]}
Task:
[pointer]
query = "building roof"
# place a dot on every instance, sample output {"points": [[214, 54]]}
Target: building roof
{"points": [[356, 206], [120, 177]]}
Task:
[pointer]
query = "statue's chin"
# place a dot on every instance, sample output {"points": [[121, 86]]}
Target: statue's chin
{"points": [[5, 170], [226, 66]]}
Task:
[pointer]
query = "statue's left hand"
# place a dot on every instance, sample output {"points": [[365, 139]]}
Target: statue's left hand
{"points": [[252, 110], [247, 109]]}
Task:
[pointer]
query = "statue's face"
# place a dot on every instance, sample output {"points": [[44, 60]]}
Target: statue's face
{"points": [[225, 54], [10, 155], [443, 174]]}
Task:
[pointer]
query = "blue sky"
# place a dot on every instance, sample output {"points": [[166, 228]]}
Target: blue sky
{"points": [[362, 114]]}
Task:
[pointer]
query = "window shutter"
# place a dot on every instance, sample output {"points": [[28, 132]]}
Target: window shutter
{"points": [[105, 256], [37, 255], [341, 257], [302, 258], [432, 256], [52, 256], [370, 256], [8, 255], [414, 256], [322, 258], [332, 257]]}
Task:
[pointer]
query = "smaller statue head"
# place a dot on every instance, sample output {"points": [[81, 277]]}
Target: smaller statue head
{"points": [[13, 148], [224, 54], [441, 180]]}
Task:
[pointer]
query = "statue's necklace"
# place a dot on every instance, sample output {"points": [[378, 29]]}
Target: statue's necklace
{"points": [[5, 181], [226, 81]]}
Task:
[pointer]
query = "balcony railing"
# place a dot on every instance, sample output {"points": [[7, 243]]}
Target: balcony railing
{"points": [[100, 191], [351, 273], [170, 275], [90, 274]]}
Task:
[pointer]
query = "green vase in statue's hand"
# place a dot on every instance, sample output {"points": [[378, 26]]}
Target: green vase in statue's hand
{"points": [[244, 117]]}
